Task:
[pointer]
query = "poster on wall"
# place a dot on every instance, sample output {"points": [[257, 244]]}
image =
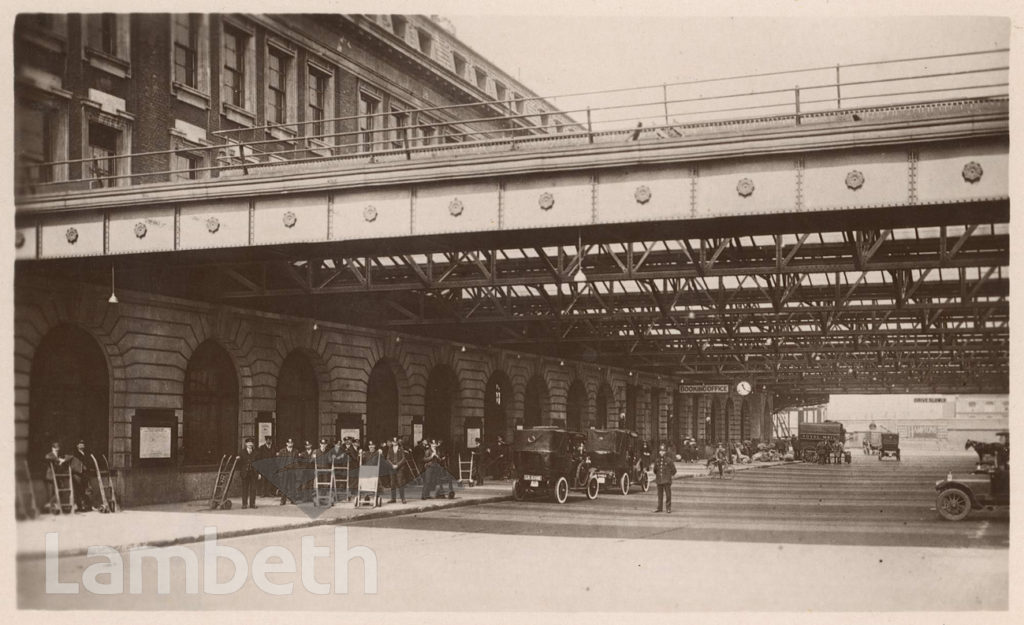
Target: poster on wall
{"points": [[473, 435], [154, 442], [266, 428], [417, 433], [352, 433]]}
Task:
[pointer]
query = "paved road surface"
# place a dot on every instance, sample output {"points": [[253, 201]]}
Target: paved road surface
{"points": [[791, 538]]}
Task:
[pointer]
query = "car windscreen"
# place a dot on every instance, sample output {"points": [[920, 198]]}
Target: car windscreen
{"points": [[598, 442], [539, 440]]}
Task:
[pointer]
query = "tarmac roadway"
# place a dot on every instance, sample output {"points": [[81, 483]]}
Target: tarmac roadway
{"points": [[798, 537]]}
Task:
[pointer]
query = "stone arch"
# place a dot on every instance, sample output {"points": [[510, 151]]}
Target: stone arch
{"points": [[576, 406], [605, 402], [441, 403], [536, 401], [745, 420], [210, 405], [498, 394], [384, 400], [70, 392], [728, 434], [298, 394]]}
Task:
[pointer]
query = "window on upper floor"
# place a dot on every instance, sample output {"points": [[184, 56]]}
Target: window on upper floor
{"points": [[235, 67], [481, 79], [277, 86], [319, 103], [40, 139], [186, 166], [460, 64], [398, 126], [426, 42], [518, 104], [104, 145], [500, 91], [544, 119], [399, 26], [186, 50], [369, 121], [426, 130], [108, 42]]}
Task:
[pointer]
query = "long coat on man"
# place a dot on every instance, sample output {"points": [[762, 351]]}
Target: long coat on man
{"points": [[664, 469]]}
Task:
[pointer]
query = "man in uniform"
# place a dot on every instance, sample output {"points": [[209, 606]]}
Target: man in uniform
{"points": [[83, 472], [266, 451], [286, 469], [664, 470], [396, 469], [247, 471]]}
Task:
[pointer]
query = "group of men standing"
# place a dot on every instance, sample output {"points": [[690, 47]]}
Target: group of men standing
{"points": [[290, 471], [85, 484]]}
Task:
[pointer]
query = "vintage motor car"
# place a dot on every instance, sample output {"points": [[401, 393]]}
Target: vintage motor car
{"points": [[985, 488], [890, 447], [615, 456], [551, 461]]}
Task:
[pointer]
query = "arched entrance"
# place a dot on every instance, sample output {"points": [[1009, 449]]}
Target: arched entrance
{"points": [[69, 391], [695, 418], [440, 403], [533, 404], [496, 395], [630, 423], [712, 425], [745, 420], [576, 406], [381, 403], [210, 406], [654, 419], [298, 397], [725, 422], [603, 393]]}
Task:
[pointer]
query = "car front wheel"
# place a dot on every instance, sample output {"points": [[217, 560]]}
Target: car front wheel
{"points": [[953, 504], [518, 490], [624, 483], [562, 490], [645, 482]]}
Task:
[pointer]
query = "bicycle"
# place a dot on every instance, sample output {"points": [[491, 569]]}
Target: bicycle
{"points": [[727, 471]]}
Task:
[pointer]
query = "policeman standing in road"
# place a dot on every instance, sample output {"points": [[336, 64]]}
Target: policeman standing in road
{"points": [[664, 470], [287, 469], [247, 470]]}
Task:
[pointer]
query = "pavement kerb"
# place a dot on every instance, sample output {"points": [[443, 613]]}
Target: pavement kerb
{"points": [[184, 540], [319, 522]]}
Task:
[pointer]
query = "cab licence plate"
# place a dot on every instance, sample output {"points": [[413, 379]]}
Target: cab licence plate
{"points": [[600, 480], [534, 484], [533, 478]]}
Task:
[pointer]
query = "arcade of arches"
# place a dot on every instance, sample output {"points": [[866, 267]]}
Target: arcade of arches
{"points": [[225, 393]]}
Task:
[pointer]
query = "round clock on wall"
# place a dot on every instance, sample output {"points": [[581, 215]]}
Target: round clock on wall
{"points": [[743, 388]]}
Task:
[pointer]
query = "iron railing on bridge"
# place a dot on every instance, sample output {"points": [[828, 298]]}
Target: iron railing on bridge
{"points": [[835, 93]]}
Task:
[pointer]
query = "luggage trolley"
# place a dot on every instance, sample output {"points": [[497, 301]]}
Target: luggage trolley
{"points": [[339, 482], [25, 493], [369, 482], [106, 482], [466, 469], [225, 472], [63, 495], [323, 486]]}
